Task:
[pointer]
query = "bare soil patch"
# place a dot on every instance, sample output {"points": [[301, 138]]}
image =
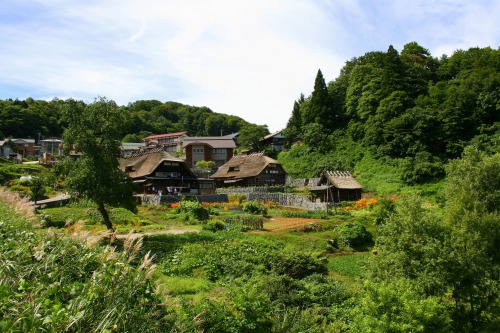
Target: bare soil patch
{"points": [[280, 223]]}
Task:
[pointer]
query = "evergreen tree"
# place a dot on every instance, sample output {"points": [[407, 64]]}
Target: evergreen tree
{"points": [[294, 125], [319, 109]]}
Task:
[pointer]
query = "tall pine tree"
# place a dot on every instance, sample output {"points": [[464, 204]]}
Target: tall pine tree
{"points": [[319, 109]]}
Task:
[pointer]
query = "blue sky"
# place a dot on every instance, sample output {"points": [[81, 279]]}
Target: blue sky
{"points": [[246, 58]]}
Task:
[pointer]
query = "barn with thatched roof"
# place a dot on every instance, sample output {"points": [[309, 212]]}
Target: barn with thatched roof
{"points": [[250, 170], [157, 170], [336, 186]]}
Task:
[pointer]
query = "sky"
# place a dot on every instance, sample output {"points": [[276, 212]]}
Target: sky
{"points": [[251, 59]]}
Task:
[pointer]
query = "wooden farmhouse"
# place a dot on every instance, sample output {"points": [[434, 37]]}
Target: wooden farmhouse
{"points": [[276, 141], [156, 171], [336, 186], [250, 170]]}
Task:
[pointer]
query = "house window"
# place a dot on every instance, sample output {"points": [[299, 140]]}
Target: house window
{"points": [[206, 186], [234, 168], [219, 150], [197, 150], [171, 163], [167, 174]]}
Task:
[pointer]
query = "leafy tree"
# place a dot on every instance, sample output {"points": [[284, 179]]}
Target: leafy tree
{"points": [[37, 187], [95, 130], [472, 212], [315, 136], [205, 166], [133, 138], [453, 259], [399, 307], [250, 135]]}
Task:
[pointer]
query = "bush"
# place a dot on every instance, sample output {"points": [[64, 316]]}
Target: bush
{"points": [[253, 207], [236, 198], [194, 209], [214, 226], [384, 209], [297, 265], [352, 234]]}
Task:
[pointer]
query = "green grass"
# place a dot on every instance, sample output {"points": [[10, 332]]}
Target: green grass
{"points": [[59, 216], [352, 267], [378, 176], [184, 286]]}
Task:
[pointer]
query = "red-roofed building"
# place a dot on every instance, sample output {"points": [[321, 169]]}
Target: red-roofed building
{"points": [[172, 142]]}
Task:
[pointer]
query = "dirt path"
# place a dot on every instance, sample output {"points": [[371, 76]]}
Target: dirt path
{"points": [[172, 231], [280, 223]]}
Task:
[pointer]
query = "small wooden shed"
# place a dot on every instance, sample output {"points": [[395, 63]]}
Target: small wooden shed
{"points": [[336, 186]]}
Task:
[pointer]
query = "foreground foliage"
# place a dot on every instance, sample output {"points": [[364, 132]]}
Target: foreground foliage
{"points": [[447, 265], [69, 283]]}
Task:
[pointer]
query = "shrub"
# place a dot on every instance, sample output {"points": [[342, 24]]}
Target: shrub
{"points": [[385, 208], [253, 207], [194, 209], [297, 265], [352, 234], [239, 198], [214, 225]]}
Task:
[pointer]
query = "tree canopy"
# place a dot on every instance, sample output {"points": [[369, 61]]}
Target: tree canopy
{"points": [[406, 105], [95, 131]]}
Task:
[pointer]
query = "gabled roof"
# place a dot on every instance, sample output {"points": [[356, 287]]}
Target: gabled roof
{"points": [[244, 166], [158, 136], [213, 141], [342, 180], [277, 133], [133, 144], [145, 163], [18, 141]]}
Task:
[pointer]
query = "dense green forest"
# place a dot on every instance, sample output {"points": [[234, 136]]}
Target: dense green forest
{"points": [[43, 119], [405, 108]]}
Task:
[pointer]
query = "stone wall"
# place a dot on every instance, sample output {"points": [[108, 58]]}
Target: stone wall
{"points": [[269, 194], [155, 199]]}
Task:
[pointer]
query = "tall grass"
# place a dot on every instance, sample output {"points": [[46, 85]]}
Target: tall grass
{"points": [[19, 204], [70, 283]]}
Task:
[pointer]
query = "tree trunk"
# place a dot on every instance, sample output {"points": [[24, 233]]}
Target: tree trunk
{"points": [[105, 216]]}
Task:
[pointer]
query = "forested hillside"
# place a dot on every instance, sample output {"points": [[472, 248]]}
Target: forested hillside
{"points": [[38, 118], [407, 109]]}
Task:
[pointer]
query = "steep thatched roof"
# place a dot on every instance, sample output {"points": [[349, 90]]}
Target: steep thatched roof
{"points": [[145, 163], [244, 166], [342, 180]]}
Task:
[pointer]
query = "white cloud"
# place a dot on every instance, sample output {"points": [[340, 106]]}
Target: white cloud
{"points": [[247, 58]]}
